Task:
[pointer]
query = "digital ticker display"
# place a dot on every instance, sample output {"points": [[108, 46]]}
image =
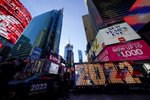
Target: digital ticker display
{"points": [[100, 74]]}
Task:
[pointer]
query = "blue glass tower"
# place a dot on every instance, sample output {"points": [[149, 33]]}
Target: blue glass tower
{"points": [[44, 33], [69, 55]]}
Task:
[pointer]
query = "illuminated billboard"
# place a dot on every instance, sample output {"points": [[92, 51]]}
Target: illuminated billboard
{"points": [[135, 50], [102, 73], [54, 57], [139, 14], [13, 19], [117, 33], [53, 69]]}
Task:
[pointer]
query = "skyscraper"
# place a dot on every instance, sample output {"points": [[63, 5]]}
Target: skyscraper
{"points": [[22, 48], [89, 31], [44, 32], [14, 18], [107, 12], [80, 56], [69, 55]]}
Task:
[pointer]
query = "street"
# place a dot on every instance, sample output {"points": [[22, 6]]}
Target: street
{"points": [[95, 96]]}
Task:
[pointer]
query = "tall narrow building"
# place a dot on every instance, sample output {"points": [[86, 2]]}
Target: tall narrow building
{"points": [[89, 32], [22, 48], [89, 29], [44, 33], [80, 56], [69, 55]]}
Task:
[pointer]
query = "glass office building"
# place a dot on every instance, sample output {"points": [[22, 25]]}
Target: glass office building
{"points": [[69, 55], [43, 32]]}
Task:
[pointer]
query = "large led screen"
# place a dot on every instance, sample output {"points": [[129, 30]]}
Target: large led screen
{"points": [[13, 19], [135, 50], [53, 69], [117, 33], [139, 14]]}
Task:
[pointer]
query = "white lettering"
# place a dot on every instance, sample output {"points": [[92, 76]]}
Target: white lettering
{"points": [[129, 53], [37, 87]]}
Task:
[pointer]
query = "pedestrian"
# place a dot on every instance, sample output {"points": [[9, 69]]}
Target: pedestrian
{"points": [[19, 69], [7, 71], [66, 82]]}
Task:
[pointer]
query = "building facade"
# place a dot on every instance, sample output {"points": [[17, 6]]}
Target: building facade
{"points": [[103, 13], [80, 56], [89, 31], [22, 48], [106, 12], [14, 18], [69, 55], [44, 32]]}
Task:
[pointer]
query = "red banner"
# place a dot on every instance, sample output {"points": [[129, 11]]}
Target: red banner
{"points": [[136, 50]]}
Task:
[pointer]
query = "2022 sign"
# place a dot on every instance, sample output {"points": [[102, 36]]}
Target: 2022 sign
{"points": [[99, 74], [38, 87]]}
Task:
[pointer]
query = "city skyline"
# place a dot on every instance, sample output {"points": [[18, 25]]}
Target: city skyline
{"points": [[72, 21]]}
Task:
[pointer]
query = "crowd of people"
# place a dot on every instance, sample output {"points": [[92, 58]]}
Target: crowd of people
{"points": [[11, 68]]}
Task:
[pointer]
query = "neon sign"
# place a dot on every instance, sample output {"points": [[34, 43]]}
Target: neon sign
{"points": [[54, 59]]}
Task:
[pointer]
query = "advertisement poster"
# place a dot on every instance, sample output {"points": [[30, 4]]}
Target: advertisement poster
{"points": [[114, 34], [53, 68], [16, 8], [135, 50], [54, 57], [10, 28]]}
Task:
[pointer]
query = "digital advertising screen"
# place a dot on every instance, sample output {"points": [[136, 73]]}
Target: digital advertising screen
{"points": [[117, 33], [13, 19], [134, 50], [139, 14], [53, 69], [54, 57]]}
